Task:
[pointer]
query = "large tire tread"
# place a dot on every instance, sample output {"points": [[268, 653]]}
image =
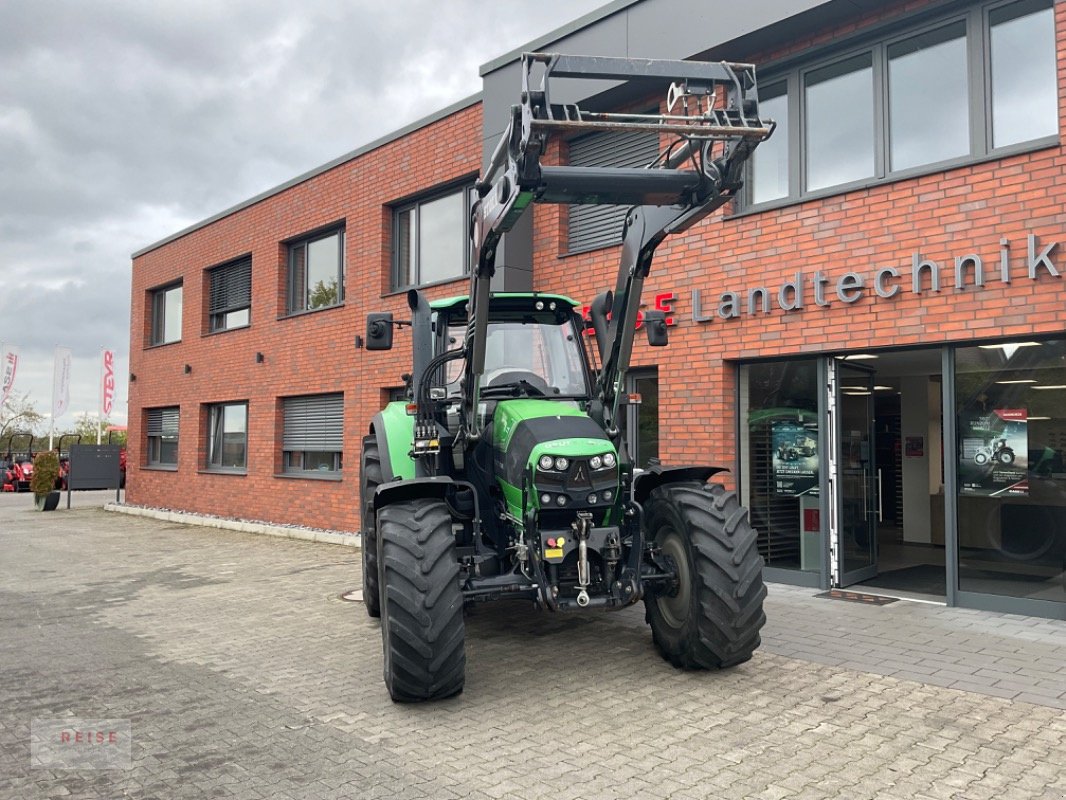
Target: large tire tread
{"points": [[727, 573], [422, 606]]}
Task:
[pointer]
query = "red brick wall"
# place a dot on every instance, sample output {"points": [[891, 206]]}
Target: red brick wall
{"points": [[942, 215], [307, 354]]}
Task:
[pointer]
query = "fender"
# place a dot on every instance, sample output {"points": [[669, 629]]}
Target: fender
{"points": [[654, 477], [461, 495], [394, 430]]}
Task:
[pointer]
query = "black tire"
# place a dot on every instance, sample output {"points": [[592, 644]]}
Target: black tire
{"points": [[980, 458], [370, 477], [1005, 456], [422, 628], [713, 620]]}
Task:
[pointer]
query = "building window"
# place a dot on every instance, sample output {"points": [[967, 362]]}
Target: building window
{"points": [[641, 419], [840, 123], [590, 227], [780, 461], [227, 442], [956, 90], [431, 239], [316, 271], [230, 294], [1011, 437], [769, 163], [162, 432], [313, 439], [928, 82], [1024, 74], [166, 314]]}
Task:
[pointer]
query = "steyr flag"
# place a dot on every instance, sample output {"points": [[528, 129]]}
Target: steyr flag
{"points": [[107, 383], [8, 367], [61, 383]]}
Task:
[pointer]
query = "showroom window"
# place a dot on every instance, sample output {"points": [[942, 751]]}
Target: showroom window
{"points": [[431, 238], [227, 441], [313, 439], [1011, 437], [949, 92], [230, 294], [161, 428], [590, 227], [780, 466], [316, 271], [166, 314]]}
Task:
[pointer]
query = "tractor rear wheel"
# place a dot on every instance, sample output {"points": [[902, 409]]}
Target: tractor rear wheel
{"points": [[370, 477], [422, 627], [713, 619]]}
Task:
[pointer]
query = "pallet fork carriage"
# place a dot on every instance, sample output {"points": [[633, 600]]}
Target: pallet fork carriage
{"points": [[508, 475]]}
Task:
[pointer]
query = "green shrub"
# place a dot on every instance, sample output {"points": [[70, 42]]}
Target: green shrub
{"points": [[45, 472]]}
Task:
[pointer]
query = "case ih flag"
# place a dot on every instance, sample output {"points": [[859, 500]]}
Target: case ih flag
{"points": [[107, 384], [8, 368]]}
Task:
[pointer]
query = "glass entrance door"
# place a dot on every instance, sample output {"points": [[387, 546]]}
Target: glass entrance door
{"points": [[854, 540]]}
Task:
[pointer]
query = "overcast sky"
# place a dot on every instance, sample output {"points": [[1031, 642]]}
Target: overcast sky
{"points": [[123, 121]]}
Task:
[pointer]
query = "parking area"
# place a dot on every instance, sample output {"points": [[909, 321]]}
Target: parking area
{"points": [[244, 674]]}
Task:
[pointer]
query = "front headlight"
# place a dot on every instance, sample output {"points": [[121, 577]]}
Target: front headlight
{"points": [[545, 462], [596, 462], [609, 460], [561, 464]]}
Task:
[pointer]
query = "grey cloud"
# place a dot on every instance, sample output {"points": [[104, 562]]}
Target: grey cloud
{"points": [[123, 121]]}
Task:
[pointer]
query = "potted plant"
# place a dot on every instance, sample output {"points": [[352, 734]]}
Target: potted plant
{"points": [[44, 479]]}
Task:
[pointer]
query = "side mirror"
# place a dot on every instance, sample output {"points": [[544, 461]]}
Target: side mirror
{"points": [[379, 330], [655, 325]]}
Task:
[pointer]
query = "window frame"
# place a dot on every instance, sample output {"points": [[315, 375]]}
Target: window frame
{"points": [[465, 188], [792, 71], [305, 241], [287, 468], [213, 316], [211, 465], [153, 442], [158, 316]]}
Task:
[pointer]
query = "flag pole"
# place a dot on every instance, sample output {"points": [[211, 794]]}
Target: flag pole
{"points": [[52, 416], [100, 397]]}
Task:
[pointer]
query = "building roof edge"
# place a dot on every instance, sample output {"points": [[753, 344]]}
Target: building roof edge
{"points": [[306, 176], [559, 33]]}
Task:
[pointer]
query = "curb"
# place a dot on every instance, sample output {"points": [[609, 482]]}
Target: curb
{"points": [[260, 528]]}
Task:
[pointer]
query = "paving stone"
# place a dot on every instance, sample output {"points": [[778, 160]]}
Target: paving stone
{"points": [[246, 676]]}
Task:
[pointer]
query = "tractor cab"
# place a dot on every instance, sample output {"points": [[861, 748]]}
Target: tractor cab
{"points": [[533, 347]]}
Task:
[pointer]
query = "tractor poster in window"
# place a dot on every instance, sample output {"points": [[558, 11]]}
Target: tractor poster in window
{"points": [[994, 453], [795, 458]]}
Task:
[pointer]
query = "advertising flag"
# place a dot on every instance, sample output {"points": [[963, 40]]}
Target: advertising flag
{"points": [[8, 369], [61, 383], [107, 383]]}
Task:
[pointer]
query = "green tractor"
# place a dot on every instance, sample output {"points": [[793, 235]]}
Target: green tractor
{"points": [[506, 474]]}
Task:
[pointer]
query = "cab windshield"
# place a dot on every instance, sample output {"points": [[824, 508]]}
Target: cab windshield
{"points": [[543, 354]]}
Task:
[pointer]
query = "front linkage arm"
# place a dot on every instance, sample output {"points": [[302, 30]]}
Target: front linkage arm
{"points": [[712, 124]]}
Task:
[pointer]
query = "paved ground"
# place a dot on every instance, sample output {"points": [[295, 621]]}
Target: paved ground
{"points": [[244, 675]]}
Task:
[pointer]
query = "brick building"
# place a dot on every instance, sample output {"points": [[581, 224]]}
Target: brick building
{"points": [[888, 291]]}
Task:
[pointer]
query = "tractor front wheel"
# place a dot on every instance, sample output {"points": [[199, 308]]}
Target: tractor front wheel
{"points": [[370, 478], [713, 618], [422, 626]]}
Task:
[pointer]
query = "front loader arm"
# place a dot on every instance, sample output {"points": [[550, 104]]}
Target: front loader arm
{"points": [[709, 127]]}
